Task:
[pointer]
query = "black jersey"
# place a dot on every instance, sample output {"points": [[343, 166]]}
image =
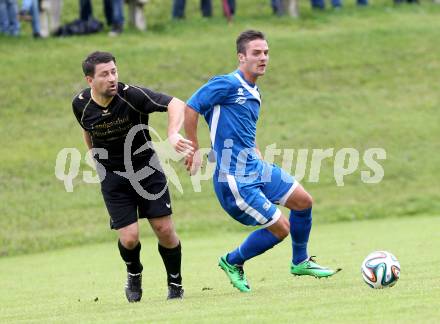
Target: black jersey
{"points": [[109, 126]]}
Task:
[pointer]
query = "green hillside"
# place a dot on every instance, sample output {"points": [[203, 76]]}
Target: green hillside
{"points": [[354, 78]]}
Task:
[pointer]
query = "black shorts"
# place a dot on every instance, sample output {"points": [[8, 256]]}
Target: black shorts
{"points": [[126, 203]]}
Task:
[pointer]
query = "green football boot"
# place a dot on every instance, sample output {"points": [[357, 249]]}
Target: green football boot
{"points": [[310, 268], [235, 274]]}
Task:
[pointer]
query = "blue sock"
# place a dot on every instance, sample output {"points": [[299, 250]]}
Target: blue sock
{"points": [[255, 244], [300, 226]]}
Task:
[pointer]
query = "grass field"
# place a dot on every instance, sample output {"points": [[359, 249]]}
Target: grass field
{"points": [[85, 284]]}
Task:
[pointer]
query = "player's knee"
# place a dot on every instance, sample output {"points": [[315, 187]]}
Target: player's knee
{"points": [[129, 236], [164, 230], [130, 241], [308, 201], [282, 229], [305, 202]]}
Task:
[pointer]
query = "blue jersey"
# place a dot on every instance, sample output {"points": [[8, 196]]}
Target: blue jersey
{"points": [[231, 107], [247, 187]]}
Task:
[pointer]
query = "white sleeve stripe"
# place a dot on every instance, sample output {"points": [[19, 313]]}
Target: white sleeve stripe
{"points": [[146, 95], [82, 116], [214, 124], [252, 91]]}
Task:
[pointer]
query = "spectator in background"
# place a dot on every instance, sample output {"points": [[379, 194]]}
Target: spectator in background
{"points": [[116, 20], [114, 14], [232, 5], [117, 17], [108, 11], [228, 9], [320, 4], [32, 8], [277, 7], [86, 10], [9, 24], [136, 14], [50, 16], [407, 1], [179, 8], [281, 7]]}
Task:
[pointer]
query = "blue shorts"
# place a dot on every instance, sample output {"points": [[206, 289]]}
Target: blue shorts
{"points": [[254, 202]]}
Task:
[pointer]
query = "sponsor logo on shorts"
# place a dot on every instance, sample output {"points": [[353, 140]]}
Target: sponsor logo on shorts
{"points": [[266, 206]]}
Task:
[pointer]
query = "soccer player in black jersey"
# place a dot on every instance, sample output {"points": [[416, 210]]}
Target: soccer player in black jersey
{"points": [[108, 112]]}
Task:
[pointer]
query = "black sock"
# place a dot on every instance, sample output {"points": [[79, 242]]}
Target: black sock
{"points": [[131, 258], [172, 259]]}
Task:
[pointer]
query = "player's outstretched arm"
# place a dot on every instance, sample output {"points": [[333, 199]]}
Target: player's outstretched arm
{"points": [[191, 120], [176, 113]]}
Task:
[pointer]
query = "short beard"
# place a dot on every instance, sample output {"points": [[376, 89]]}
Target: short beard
{"points": [[109, 93]]}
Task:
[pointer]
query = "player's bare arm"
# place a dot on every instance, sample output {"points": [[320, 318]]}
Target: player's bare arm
{"points": [[88, 141], [176, 111], [192, 162]]}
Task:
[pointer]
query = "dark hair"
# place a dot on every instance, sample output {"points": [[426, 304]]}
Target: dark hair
{"points": [[245, 37], [94, 59]]}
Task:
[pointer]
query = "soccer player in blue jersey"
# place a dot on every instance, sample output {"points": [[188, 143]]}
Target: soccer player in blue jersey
{"points": [[247, 187]]}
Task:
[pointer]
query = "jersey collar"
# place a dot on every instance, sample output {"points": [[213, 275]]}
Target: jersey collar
{"points": [[252, 90], [252, 85]]}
